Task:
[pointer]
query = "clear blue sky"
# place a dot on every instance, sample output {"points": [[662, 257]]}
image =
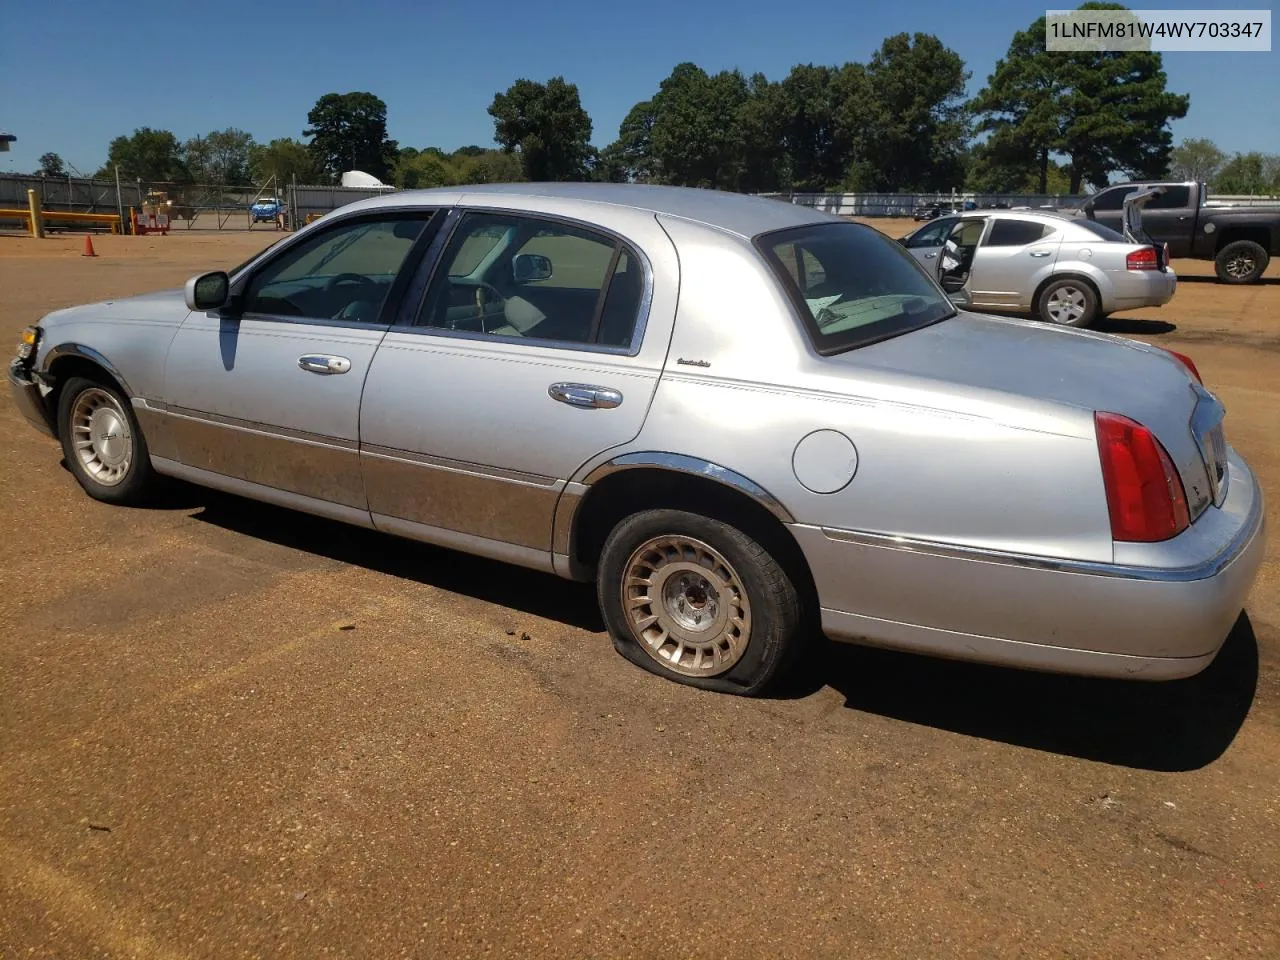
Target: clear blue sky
{"points": [[78, 72]]}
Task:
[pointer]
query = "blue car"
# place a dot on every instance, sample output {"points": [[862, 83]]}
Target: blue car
{"points": [[266, 210]]}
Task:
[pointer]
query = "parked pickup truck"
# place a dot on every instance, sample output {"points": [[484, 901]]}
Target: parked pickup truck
{"points": [[1240, 240]]}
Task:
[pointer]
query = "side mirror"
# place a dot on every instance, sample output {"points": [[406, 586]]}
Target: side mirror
{"points": [[530, 266], [207, 291]]}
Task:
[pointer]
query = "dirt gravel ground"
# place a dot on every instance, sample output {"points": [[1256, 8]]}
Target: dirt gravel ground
{"points": [[227, 730]]}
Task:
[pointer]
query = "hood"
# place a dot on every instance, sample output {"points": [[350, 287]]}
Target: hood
{"points": [[162, 305], [1028, 361]]}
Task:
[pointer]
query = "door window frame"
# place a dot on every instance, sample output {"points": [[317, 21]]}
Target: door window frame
{"points": [[912, 243], [427, 270], [436, 219]]}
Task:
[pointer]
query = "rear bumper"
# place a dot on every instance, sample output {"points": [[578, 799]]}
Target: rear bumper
{"points": [[1063, 616], [28, 398], [1132, 289]]}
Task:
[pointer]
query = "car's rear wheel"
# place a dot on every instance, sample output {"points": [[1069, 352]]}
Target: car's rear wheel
{"points": [[102, 442], [698, 601], [1241, 261], [1068, 303]]}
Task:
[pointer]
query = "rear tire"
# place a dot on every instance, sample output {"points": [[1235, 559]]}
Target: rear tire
{"points": [[1067, 303], [1241, 261], [698, 601], [102, 442]]}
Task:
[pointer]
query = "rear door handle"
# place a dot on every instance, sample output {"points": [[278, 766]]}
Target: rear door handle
{"points": [[1041, 253], [585, 395], [930, 256], [324, 365]]}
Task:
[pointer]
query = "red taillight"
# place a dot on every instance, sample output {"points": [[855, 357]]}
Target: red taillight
{"points": [[1183, 359], [1144, 493], [1144, 259]]}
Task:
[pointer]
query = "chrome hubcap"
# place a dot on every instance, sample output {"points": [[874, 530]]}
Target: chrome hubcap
{"points": [[1066, 305], [1240, 266], [101, 438], [686, 605]]}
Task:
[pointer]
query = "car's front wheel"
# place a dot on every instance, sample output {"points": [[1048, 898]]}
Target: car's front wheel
{"points": [[102, 442], [698, 601], [1068, 303]]}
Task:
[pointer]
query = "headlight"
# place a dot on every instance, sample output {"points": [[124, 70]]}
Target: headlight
{"points": [[27, 346]]}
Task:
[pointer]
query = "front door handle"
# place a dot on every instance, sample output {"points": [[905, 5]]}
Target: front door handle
{"points": [[930, 256], [315, 363], [585, 395], [1041, 253]]}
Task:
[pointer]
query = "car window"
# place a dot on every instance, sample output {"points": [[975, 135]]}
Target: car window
{"points": [[967, 233], [507, 275], [871, 288], [1173, 198], [931, 236], [1015, 233], [1112, 199], [343, 273]]}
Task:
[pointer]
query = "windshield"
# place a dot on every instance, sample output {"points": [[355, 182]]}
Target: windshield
{"points": [[851, 284]]}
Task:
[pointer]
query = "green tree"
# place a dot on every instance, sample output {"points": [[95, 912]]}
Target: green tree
{"points": [[221, 157], [805, 121], [1249, 173], [1104, 111], [51, 165], [546, 125], [147, 154], [1196, 159], [919, 126], [283, 158], [348, 131], [694, 137], [631, 155], [487, 166]]}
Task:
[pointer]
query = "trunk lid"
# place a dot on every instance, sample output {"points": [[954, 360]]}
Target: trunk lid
{"points": [[1077, 368]]}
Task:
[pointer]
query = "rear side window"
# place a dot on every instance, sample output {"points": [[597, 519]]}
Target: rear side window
{"points": [[1173, 198], [1112, 199], [851, 285], [1015, 233], [1098, 230]]}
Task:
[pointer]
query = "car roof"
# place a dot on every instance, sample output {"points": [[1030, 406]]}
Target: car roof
{"points": [[736, 213]]}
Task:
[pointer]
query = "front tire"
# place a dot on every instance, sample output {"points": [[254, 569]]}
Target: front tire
{"points": [[698, 601], [102, 442], [1068, 303], [1241, 261]]}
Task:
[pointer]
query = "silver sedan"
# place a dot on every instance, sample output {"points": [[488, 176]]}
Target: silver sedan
{"points": [[1065, 270], [743, 420]]}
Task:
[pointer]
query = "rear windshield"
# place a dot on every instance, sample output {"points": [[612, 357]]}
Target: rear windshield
{"points": [[1097, 229], [851, 284]]}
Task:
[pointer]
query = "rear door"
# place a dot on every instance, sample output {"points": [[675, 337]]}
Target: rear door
{"points": [[1013, 255], [537, 345]]}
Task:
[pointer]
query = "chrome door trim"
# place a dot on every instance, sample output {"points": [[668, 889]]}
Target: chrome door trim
{"points": [[534, 559], [1199, 571], [458, 466], [585, 395], [324, 364], [235, 423]]}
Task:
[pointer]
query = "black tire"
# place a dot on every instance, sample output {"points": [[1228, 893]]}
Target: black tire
{"points": [[1081, 292], [138, 479], [1241, 261], [775, 611]]}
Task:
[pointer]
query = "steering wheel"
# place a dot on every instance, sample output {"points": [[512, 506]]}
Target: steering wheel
{"points": [[480, 288], [345, 278]]}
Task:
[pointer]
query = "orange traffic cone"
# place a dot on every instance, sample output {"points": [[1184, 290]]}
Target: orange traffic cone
{"points": [[88, 246]]}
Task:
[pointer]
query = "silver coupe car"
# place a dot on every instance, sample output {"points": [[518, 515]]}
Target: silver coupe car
{"points": [[744, 420], [1064, 270]]}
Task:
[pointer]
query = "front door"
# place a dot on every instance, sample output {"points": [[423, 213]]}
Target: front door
{"points": [[926, 243], [268, 391], [538, 344]]}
